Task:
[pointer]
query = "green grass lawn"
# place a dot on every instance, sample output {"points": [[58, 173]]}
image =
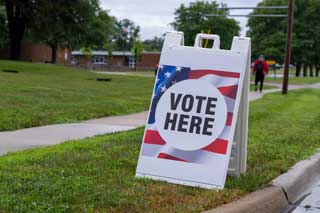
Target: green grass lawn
{"points": [[143, 73], [295, 80], [139, 73], [42, 94], [292, 80], [97, 175], [265, 87]]}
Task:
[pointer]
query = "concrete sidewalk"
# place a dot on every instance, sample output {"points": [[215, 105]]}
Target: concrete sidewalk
{"points": [[258, 95], [11, 141], [54, 134]]}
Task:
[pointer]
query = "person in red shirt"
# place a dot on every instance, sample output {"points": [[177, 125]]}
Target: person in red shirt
{"points": [[260, 69]]}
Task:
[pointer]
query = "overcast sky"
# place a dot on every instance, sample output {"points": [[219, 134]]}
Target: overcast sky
{"points": [[154, 16]]}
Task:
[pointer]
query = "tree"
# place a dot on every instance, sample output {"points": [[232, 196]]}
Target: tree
{"points": [[69, 23], [98, 32], [154, 44], [268, 34], [191, 20], [312, 16], [109, 46], [87, 51], [54, 22], [18, 16], [137, 50], [125, 32], [4, 40]]}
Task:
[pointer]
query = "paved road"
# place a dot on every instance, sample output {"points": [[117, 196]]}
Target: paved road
{"points": [[311, 203], [54, 134]]}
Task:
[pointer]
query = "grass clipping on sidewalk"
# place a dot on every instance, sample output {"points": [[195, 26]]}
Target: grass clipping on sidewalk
{"points": [[98, 174]]}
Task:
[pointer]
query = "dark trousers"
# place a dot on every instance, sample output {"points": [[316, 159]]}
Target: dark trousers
{"points": [[259, 78]]}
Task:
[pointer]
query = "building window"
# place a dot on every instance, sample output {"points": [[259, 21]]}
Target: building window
{"points": [[98, 60], [132, 62], [74, 59]]}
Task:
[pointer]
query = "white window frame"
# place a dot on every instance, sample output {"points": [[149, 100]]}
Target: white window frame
{"points": [[132, 62], [74, 59], [98, 59]]}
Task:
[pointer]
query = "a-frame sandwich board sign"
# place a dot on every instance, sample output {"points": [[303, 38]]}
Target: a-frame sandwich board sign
{"points": [[199, 104], [238, 158]]}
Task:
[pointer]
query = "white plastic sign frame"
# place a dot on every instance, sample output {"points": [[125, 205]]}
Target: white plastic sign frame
{"points": [[194, 111]]}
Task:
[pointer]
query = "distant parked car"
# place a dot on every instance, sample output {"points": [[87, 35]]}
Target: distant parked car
{"points": [[291, 66], [278, 66]]}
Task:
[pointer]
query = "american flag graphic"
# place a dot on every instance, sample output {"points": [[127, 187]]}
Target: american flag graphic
{"points": [[155, 146]]}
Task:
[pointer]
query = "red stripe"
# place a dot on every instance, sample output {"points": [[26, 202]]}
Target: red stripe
{"points": [[195, 74], [229, 91], [218, 146], [170, 157], [153, 137], [229, 119]]}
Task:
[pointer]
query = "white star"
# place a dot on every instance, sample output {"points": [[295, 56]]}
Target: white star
{"points": [[173, 82], [179, 69], [167, 74], [163, 88]]}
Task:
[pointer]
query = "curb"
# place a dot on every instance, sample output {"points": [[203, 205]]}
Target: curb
{"points": [[281, 192], [268, 199], [299, 178]]}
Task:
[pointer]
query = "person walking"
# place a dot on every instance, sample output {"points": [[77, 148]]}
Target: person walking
{"points": [[260, 69]]}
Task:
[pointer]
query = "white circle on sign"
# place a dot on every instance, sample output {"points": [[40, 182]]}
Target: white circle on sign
{"points": [[191, 114]]}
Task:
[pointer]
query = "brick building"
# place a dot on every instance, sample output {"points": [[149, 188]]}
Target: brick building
{"points": [[39, 53], [120, 60], [148, 60]]}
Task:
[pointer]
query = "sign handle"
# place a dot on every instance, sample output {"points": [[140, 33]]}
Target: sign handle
{"points": [[201, 36]]}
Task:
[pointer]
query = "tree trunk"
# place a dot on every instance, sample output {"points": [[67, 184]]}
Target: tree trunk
{"points": [[317, 70], [305, 68], [298, 69], [17, 25], [311, 70], [53, 53]]}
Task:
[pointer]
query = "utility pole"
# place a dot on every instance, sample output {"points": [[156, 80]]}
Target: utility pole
{"points": [[288, 47]]}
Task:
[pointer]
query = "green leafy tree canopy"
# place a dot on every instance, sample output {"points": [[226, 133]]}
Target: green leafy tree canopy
{"points": [[125, 32], [154, 44], [268, 34], [191, 20]]}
